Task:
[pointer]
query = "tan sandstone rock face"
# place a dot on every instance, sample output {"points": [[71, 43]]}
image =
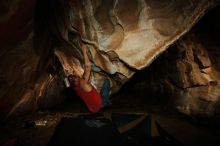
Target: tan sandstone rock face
{"points": [[39, 49], [185, 75], [196, 79], [124, 35]]}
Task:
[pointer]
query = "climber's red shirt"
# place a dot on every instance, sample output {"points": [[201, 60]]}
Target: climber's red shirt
{"points": [[92, 99]]}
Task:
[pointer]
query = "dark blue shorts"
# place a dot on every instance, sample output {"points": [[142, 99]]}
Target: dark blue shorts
{"points": [[105, 92]]}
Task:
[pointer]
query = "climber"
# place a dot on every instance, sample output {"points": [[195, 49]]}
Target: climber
{"points": [[86, 91]]}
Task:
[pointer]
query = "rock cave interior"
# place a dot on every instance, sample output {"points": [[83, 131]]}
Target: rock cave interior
{"points": [[162, 59]]}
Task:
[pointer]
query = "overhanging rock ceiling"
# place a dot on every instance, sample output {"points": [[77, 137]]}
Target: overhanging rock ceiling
{"points": [[125, 35], [136, 31]]}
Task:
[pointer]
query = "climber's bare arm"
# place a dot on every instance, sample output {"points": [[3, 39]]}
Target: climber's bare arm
{"points": [[87, 71]]}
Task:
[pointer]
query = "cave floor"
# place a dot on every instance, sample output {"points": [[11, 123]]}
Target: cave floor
{"points": [[187, 130]]}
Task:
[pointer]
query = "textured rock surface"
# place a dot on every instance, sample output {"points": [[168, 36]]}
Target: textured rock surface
{"points": [[24, 81], [122, 36], [198, 77], [125, 35]]}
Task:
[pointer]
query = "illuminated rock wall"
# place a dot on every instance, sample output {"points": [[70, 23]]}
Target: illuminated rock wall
{"points": [[186, 75]]}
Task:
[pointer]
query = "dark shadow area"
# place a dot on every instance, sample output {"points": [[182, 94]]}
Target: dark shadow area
{"points": [[209, 25]]}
